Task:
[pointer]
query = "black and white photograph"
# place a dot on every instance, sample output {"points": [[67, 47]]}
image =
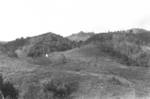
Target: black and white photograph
{"points": [[74, 49]]}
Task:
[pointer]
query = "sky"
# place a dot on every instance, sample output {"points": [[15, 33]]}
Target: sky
{"points": [[22, 18]]}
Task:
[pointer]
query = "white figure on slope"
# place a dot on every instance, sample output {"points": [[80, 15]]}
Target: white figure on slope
{"points": [[46, 55]]}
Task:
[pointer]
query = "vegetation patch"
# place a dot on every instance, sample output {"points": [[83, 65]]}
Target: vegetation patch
{"points": [[59, 89], [8, 90]]}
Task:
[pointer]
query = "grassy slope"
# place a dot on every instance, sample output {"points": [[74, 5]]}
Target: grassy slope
{"points": [[98, 78], [137, 77], [83, 62]]}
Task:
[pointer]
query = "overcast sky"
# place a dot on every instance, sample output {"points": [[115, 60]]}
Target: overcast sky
{"points": [[32, 17]]}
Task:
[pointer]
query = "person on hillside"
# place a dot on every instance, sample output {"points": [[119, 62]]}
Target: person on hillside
{"points": [[46, 55]]}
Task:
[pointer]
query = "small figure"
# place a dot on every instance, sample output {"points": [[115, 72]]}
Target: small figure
{"points": [[46, 55]]}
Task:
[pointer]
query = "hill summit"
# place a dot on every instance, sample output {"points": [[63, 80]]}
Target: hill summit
{"points": [[136, 30], [81, 36]]}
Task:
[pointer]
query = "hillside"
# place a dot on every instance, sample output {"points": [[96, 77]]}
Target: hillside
{"points": [[81, 36], [113, 65], [80, 75], [125, 47], [47, 43], [38, 45]]}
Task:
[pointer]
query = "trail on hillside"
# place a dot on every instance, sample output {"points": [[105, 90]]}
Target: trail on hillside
{"points": [[90, 74]]}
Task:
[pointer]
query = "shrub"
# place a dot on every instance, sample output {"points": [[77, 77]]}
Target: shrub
{"points": [[8, 90], [114, 80], [107, 48], [41, 61], [12, 54], [58, 89], [62, 59]]}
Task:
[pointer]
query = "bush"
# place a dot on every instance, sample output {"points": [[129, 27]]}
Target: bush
{"points": [[62, 59], [12, 54], [34, 53], [41, 61], [58, 89], [107, 48], [8, 90]]}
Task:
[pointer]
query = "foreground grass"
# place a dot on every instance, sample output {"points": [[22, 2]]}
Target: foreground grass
{"points": [[83, 79]]}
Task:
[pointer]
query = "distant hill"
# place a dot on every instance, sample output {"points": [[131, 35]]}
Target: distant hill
{"points": [[47, 43], [110, 65], [3, 42], [125, 47], [81, 36], [130, 47], [37, 45], [136, 30], [10, 47]]}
